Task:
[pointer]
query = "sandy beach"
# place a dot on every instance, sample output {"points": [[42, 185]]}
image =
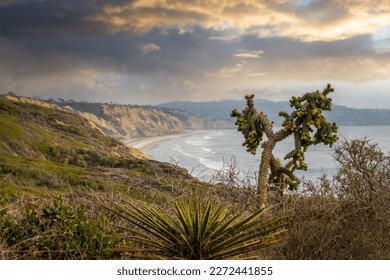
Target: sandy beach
{"points": [[150, 142]]}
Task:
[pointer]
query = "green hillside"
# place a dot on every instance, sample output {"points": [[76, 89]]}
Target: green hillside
{"points": [[34, 131], [47, 150]]}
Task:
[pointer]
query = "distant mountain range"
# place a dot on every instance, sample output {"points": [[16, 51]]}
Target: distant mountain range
{"points": [[340, 114]]}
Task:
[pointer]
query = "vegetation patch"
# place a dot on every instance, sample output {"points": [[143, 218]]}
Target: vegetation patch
{"points": [[58, 231], [10, 132], [196, 230]]}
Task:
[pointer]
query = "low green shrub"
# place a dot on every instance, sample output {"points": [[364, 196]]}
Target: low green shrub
{"points": [[58, 232]]}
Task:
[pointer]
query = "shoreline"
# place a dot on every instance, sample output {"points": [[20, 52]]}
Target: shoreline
{"points": [[146, 143]]}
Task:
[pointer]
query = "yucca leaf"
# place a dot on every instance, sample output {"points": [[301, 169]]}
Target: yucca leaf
{"points": [[205, 222], [141, 219], [182, 217], [242, 238], [239, 235], [223, 227], [245, 249]]}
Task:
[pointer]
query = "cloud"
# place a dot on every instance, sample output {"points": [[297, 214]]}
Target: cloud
{"points": [[6, 3], [146, 48], [249, 54], [150, 51], [325, 20], [317, 20]]}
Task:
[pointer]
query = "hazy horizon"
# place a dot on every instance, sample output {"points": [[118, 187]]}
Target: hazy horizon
{"points": [[157, 51], [57, 99]]}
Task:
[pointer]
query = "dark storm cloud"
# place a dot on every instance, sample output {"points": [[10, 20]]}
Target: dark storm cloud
{"points": [[44, 18], [178, 53]]}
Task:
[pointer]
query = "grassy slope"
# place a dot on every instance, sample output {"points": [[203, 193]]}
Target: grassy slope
{"points": [[44, 151]]}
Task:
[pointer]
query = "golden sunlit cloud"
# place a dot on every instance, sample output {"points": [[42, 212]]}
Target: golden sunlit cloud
{"points": [[317, 21]]}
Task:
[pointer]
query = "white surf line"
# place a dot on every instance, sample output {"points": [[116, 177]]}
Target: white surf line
{"points": [[150, 142]]}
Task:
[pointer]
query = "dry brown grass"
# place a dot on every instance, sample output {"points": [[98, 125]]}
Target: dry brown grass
{"points": [[348, 217]]}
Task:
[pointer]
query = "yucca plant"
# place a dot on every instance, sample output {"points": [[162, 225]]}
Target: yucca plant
{"points": [[196, 230]]}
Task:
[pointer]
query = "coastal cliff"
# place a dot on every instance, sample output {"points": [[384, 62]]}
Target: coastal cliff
{"points": [[131, 121]]}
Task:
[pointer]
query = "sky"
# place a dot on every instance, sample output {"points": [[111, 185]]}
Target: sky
{"points": [[156, 51]]}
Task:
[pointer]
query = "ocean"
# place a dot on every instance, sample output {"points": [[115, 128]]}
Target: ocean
{"points": [[206, 151]]}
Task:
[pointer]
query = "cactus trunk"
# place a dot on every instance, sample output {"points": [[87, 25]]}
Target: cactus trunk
{"points": [[262, 182]]}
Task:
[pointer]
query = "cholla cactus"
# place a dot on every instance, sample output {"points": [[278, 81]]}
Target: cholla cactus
{"points": [[308, 126]]}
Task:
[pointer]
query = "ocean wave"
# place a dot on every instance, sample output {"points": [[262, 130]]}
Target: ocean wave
{"points": [[195, 142], [181, 151], [212, 164], [208, 150]]}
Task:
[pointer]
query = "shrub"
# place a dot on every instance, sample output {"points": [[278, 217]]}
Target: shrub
{"points": [[349, 217], [58, 232], [364, 171], [197, 231]]}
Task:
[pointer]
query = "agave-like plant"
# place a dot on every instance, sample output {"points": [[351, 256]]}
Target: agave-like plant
{"points": [[196, 230]]}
